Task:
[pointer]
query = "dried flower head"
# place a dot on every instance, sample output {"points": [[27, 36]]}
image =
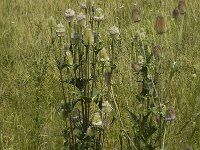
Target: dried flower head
{"points": [[106, 107], [60, 30], [157, 51], [176, 13], [108, 77], [99, 16], [114, 32], [136, 14], [51, 22], [88, 37], [90, 131], [103, 54], [160, 25], [97, 119], [182, 6], [69, 15], [69, 58], [170, 114], [83, 5], [75, 37], [81, 19], [89, 3], [136, 66], [75, 114], [141, 60]]}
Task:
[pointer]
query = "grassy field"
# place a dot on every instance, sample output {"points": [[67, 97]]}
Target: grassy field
{"points": [[30, 89]]}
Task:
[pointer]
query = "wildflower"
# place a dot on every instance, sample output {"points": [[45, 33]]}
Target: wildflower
{"points": [[99, 15], [88, 37], [114, 32], [160, 25], [75, 37], [81, 20], [51, 22], [136, 14], [136, 66], [60, 30], [170, 115], [104, 55], [182, 6], [97, 119], [69, 58], [157, 51], [176, 13], [69, 15], [106, 107]]}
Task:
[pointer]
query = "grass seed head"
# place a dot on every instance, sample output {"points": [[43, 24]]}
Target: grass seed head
{"points": [[60, 30], [160, 25]]}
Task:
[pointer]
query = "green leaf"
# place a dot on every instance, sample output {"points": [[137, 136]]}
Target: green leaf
{"points": [[133, 118]]}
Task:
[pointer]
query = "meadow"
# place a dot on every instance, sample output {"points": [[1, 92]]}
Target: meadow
{"points": [[105, 74]]}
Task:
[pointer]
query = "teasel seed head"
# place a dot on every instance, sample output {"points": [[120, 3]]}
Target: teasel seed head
{"points": [[81, 20], [136, 14], [103, 54], [75, 38], [88, 37], [69, 58], [75, 115], [141, 60], [182, 6], [89, 3], [160, 25], [157, 51], [60, 30], [176, 13], [108, 77], [51, 22], [99, 16], [114, 32], [106, 107], [69, 15]]}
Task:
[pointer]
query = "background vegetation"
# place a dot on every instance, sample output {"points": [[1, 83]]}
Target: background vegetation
{"points": [[29, 79]]}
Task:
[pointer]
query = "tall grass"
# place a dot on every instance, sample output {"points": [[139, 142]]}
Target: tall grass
{"points": [[30, 91]]}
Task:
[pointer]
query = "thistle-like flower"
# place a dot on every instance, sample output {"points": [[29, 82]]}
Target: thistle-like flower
{"points": [[69, 58], [182, 6], [114, 32], [81, 20], [106, 107], [103, 54], [136, 14], [170, 114], [69, 15], [97, 119], [60, 30], [160, 25], [75, 37], [51, 22], [176, 13], [88, 37], [98, 15]]}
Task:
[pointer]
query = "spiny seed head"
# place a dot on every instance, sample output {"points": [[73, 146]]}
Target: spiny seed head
{"points": [[60, 30], [136, 66], [69, 58], [104, 55], [97, 119], [157, 51], [75, 37], [136, 14], [106, 107], [81, 20], [141, 60], [176, 13], [88, 37], [182, 6], [51, 22], [114, 32], [160, 25], [99, 16], [69, 15], [170, 114]]}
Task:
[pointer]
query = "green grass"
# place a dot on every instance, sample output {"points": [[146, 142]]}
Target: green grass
{"points": [[24, 37]]}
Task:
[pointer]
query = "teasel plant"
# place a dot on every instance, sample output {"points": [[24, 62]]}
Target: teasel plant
{"points": [[84, 107]]}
